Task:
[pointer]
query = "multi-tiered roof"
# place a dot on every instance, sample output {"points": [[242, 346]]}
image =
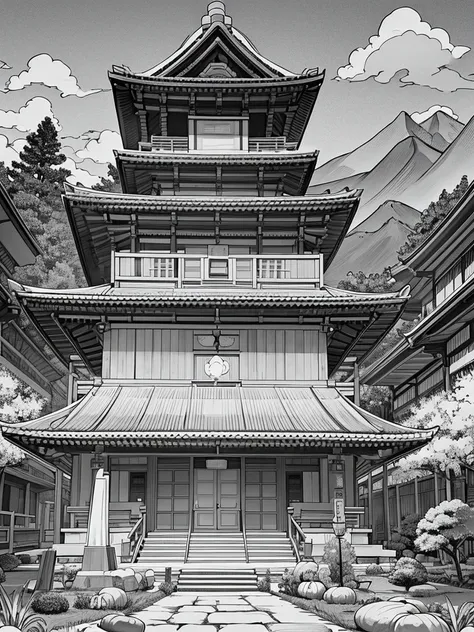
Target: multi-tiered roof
{"points": [[211, 161]]}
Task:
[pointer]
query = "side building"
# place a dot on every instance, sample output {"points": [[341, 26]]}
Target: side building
{"points": [[210, 336], [438, 349]]}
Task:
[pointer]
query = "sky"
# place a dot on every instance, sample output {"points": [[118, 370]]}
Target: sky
{"points": [[54, 58]]}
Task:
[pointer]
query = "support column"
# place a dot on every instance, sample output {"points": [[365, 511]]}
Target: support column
{"points": [[58, 508], [399, 506], [356, 384], [152, 492], [417, 499], [386, 503], [449, 496], [436, 489], [371, 503], [27, 499]]}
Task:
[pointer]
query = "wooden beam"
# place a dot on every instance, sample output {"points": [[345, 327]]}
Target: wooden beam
{"points": [[164, 114], [176, 179], [219, 180], [58, 508], [270, 114], [142, 115]]}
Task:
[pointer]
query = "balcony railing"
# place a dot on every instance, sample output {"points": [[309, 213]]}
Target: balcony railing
{"points": [[180, 270], [181, 144]]}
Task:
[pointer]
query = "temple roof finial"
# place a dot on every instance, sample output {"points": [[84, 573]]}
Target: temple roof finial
{"points": [[216, 12]]}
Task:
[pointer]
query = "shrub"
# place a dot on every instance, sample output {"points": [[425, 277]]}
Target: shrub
{"points": [[82, 602], [50, 603], [373, 570], [265, 584], [325, 577], [24, 558], [15, 611], [9, 562], [2, 576], [289, 583], [331, 558], [408, 572], [310, 576], [167, 588], [403, 539]]}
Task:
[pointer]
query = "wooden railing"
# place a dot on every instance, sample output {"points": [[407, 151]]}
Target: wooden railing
{"points": [[295, 533], [179, 270], [320, 515], [188, 539], [18, 530], [244, 535], [181, 144], [137, 535]]}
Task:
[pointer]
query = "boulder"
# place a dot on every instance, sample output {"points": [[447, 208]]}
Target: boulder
{"points": [[121, 623]]}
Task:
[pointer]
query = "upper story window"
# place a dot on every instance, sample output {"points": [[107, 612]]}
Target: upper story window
{"points": [[218, 134]]}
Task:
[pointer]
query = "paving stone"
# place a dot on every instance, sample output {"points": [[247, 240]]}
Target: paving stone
{"points": [[199, 607], [190, 617], [298, 627], [146, 616], [231, 607], [196, 628], [243, 627], [294, 617], [157, 627], [220, 618]]}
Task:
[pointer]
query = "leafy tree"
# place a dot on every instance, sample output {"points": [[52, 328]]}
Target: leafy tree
{"points": [[432, 216], [408, 572], [111, 184], [446, 528], [453, 446], [18, 401], [360, 282], [41, 153]]}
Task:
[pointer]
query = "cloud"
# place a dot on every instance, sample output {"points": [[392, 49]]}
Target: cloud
{"points": [[29, 115], [4, 65], [410, 50], [53, 73], [419, 117], [78, 176], [7, 151], [101, 150], [91, 134]]}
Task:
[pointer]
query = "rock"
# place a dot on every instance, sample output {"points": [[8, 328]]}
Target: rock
{"points": [[423, 589], [121, 623], [408, 553]]}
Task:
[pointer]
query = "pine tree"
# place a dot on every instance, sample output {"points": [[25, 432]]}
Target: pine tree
{"points": [[41, 153], [111, 184]]}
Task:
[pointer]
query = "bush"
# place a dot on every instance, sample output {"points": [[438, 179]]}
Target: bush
{"points": [[167, 588], [2, 576], [289, 583], [325, 577], [373, 570], [331, 558], [408, 572], [24, 558], [403, 539], [82, 602], [50, 603], [9, 562], [265, 584]]}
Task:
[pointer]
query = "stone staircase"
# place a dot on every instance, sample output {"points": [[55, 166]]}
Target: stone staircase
{"points": [[196, 579]]}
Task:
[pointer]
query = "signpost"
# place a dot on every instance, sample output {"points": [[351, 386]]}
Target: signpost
{"points": [[339, 526]]}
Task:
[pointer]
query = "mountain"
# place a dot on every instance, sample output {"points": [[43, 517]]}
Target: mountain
{"points": [[399, 170], [367, 156], [446, 172], [443, 129], [374, 244]]}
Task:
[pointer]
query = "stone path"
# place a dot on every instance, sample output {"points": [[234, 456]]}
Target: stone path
{"points": [[209, 612]]}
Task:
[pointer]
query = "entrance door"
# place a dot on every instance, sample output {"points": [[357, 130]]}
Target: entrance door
{"points": [[217, 499]]}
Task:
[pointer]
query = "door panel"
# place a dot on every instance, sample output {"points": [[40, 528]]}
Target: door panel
{"points": [[205, 499], [228, 482], [217, 499]]}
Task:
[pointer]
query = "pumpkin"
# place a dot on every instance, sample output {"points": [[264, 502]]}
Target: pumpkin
{"points": [[311, 590], [378, 617], [109, 598], [468, 628], [150, 577], [302, 567], [9, 628], [419, 622], [121, 623], [414, 602], [340, 594]]}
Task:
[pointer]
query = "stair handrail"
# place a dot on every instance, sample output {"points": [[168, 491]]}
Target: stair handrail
{"points": [[244, 535], [137, 535], [188, 539], [296, 534]]}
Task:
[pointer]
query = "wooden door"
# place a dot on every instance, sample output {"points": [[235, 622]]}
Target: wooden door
{"points": [[228, 494], [205, 499]]}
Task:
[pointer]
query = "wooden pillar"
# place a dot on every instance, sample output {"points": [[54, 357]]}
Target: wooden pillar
{"points": [[399, 506], [417, 499], [356, 384], [386, 503], [242, 489], [2, 487], [151, 492], [58, 511], [371, 502], [191, 491], [449, 495], [27, 499], [436, 489]]}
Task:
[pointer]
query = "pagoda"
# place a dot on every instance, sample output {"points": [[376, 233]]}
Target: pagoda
{"points": [[211, 340]]}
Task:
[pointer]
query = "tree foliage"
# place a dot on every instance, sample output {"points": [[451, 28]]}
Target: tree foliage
{"points": [[111, 184], [41, 153], [432, 216], [18, 401], [446, 528], [360, 282], [453, 446]]}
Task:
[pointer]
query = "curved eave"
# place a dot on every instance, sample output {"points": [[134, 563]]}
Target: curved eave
{"points": [[337, 211], [124, 85], [17, 244], [217, 159]]}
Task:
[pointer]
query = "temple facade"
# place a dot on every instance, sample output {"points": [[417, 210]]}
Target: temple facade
{"points": [[209, 337]]}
